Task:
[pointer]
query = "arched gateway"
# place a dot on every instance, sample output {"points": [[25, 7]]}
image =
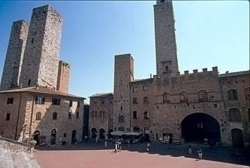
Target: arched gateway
{"points": [[200, 126]]}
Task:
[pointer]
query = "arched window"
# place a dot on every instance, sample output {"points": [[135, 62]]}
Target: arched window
{"points": [[183, 97], [146, 115], [38, 116], [232, 94], [247, 93], [54, 116], [121, 119], [145, 99], [234, 115], [165, 98], [202, 95], [135, 100], [135, 115]]}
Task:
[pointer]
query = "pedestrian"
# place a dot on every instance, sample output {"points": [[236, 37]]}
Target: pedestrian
{"points": [[96, 139], [106, 143], [120, 145], [116, 144], [190, 150], [200, 154], [148, 147]]}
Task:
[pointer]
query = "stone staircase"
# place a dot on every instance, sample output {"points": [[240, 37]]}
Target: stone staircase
{"points": [[12, 157]]}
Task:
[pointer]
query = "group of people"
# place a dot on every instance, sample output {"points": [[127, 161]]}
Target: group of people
{"points": [[199, 152]]}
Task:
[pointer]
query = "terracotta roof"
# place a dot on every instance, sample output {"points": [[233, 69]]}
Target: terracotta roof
{"points": [[102, 95], [41, 89], [235, 74]]}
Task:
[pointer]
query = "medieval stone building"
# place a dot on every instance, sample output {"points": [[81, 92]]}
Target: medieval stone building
{"points": [[187, 107], [35, 103]]}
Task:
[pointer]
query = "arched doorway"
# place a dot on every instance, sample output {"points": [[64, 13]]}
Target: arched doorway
{"points": [[199, 126], [36, 136], [53, 137], [93, 133], [237, 138], [73, 136], [102, 133]]}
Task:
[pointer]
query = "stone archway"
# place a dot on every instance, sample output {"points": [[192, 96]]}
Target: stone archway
{"points": [[237, 138], [199, 126], [102, 133], [53, 137]]}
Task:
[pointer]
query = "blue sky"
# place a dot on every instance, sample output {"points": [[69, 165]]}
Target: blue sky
{"points": [[208, 34]]}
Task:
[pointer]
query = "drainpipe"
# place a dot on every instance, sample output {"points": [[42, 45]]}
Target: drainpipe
{"points": [[18, 113], [31, 117]]}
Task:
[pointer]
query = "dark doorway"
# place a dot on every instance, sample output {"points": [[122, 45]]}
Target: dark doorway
{"points": [[93, 133], [237, 138], [102, 133], [199, 126], [36, 137], [53, 137], [73, 136]]}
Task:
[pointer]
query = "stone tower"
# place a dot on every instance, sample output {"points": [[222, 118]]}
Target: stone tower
{"points": [[14, 56], [165, 43], [63, 76], [124, 74], [41, 56]]}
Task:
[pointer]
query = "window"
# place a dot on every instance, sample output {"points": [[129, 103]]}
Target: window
{"points": [[10, 100], [247, 93], [40, 100], [29, 81], [134, 114], [145, 100], [55, 101], [8, 117], [146, 116], [54, 116], [165, 98], [70, 103], [134, 88], [249, 115], [38, 116], [202, 95], [135, 100], [102, 101], [234, 115], [78, 103], [64, 135], [69, 115], [95, 101], [32, 41], [77, 114], [145, 87], [166, 68], [232, 94], [121, 119], [183, 97]]}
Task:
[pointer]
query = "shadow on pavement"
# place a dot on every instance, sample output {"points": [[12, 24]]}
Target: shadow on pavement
{"points": [[221, 154]]}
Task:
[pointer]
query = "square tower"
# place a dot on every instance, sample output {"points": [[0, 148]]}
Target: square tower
{"points": [[14, 56], [63, 76], [165, 43], [124, 74], [41, 56]]}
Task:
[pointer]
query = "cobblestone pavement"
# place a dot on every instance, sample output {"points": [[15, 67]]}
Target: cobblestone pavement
{"points": [[92, 155]]}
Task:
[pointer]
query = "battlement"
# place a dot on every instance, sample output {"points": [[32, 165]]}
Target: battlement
{"points": [[204, 72]]}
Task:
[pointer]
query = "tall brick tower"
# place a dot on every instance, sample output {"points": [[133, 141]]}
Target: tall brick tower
{"points": [[14, 56], [63, 76], [165, 43], [41, 56], [124, 74]]}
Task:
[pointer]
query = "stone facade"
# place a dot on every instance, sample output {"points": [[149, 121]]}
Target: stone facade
{"points": [[187, 107], [14, 56], [41, 113], [101, 115], [41, 56], [63, 76]]}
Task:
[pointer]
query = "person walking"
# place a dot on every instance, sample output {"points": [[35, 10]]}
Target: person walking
{"points": [[200, 154], [148, 147], [120, 145], [116, 144], [190, 150]]}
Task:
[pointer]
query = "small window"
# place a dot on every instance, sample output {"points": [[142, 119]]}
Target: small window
{"points": [[234, 115], [146, 116], [215, 105], [55, 101], [166, 68], [165, 98], [29, 82], [183, 97], [8, 117], [134, 114], [202, 95], [145, 100], [70, 103], [64, 135], [77, 114], [40, 100], [54, 116], [69, 115], [102, 101], [38, 116], [134, 88], [32, 41], [232, 94], [247, 93], [10, 100], [135, 100], [145, 87], [121, 119]]}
